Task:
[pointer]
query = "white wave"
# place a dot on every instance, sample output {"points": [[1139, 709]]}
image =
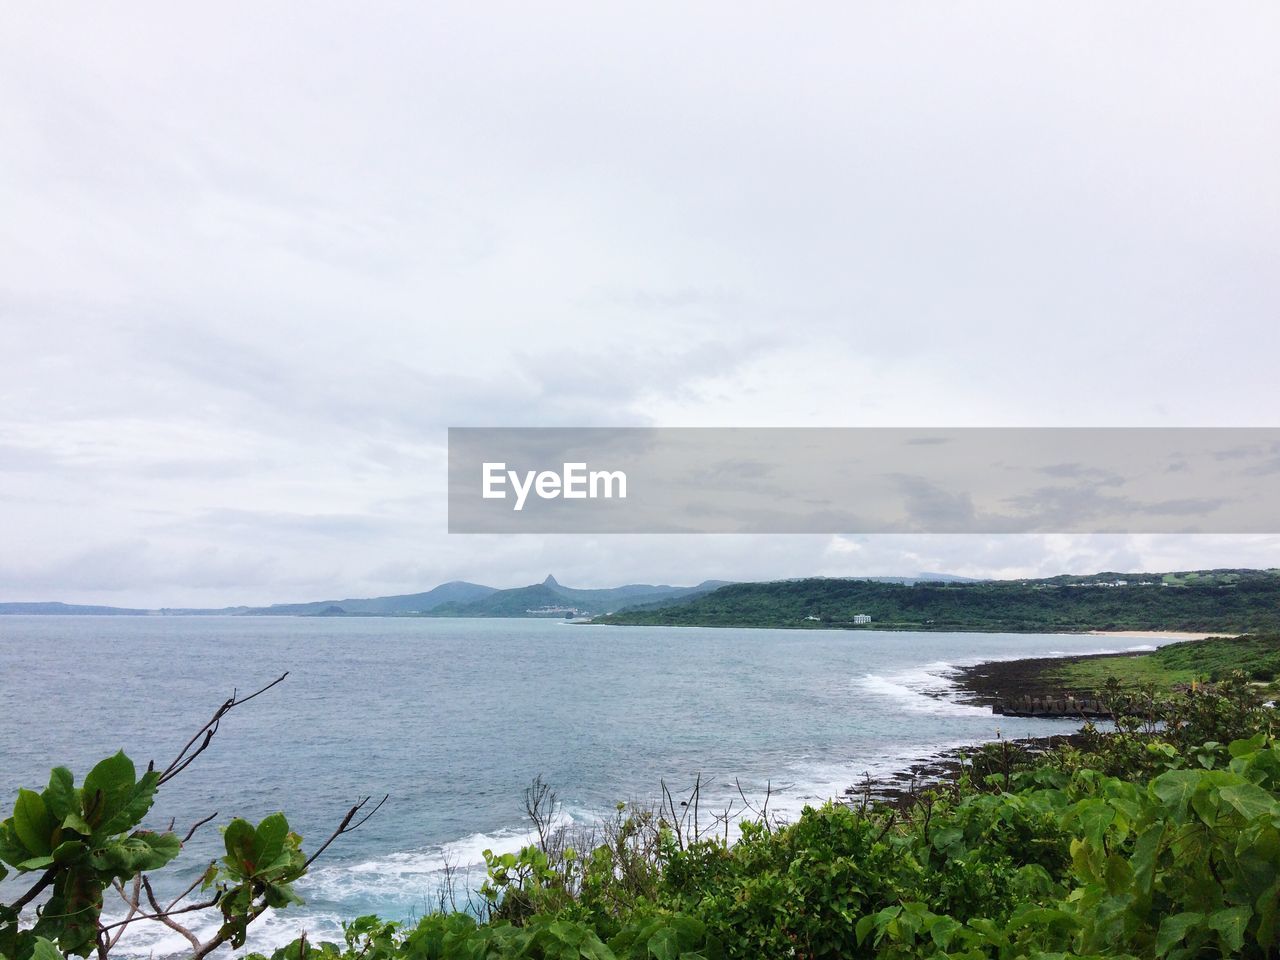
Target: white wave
{"points": [[414, 878], [396, 885], [927, 689], [274, 929]]}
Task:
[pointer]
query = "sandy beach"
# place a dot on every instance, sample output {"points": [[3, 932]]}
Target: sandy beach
{"points": [[1154, 634]]}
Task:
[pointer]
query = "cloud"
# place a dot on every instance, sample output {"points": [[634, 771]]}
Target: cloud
{"points": [[249, 276]]}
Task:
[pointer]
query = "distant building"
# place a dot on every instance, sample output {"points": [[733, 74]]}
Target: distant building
{"points": [[861, 618]]}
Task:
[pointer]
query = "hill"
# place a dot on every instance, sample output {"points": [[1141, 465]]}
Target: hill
{"points": [[455, 591], [551, 599], [69, 609], [1231, 601]]}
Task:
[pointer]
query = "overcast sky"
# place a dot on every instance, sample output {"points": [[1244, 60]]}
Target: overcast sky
{"points": [[255, 259]]}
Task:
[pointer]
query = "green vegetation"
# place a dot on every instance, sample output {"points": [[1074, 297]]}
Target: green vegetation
{"points": [[82, 841], [1158, 840], [1237, 601], [79, 843], [1211, 660]]}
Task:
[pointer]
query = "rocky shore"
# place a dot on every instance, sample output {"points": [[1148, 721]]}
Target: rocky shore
{"points": [[1005, 686], [901, 789], [1005, 681]]}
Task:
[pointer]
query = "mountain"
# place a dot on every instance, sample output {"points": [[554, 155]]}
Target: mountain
{"points": [[67, 609], [455, 591], [1230, 601], [456, 598], [550, 599]]}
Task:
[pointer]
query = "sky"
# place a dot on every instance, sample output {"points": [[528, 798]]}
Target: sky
{"points": [[256, 259]]}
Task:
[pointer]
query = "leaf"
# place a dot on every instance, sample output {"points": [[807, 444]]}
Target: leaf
{"points": [[1174, 929], [664, 945], [68, 850], [1145, 851], [1241, 748], [76, 821], [239, 838], [107, 789], [1266, 906], [943, 930], [135, 805], [145, 850], [1175, 787], [32, 823], [863, 927], [45, 950], [269, 839], [1231, 924], [1249, 800], [1205, 803], [60, 796]]}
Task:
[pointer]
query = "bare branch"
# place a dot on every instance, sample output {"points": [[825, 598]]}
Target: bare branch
{"points": [[205, 734], [194, 883], [131, 900], [196, 826], [346, 826], [168, 921], [46, 878]]}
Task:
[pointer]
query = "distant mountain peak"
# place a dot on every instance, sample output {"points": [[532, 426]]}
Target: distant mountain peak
{"points": [[550, 581]]}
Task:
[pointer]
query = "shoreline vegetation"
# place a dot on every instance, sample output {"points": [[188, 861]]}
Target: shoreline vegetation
{"points": [[1157, 839], [1219, 602], [1123, 681], [1216, 601]]}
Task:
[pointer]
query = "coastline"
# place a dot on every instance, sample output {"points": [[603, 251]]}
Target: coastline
{"points": [[989, 683], [1178, 635], [986, 684]]}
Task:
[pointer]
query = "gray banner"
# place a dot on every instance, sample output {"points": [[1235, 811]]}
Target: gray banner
{"points": [[864, 480]]}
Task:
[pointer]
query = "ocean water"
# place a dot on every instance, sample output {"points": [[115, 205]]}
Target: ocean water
{"points": [[453, 718]]}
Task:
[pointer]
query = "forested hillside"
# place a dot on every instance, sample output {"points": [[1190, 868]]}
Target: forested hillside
{"points": [[1230, 601]]}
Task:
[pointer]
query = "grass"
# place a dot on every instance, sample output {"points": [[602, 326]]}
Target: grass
{"points": [[1180, 663]]}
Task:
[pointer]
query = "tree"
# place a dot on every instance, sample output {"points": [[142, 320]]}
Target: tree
{"points": [[82, 841]]}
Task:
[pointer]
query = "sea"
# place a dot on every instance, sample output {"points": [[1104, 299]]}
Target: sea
{"points": [[451, 719]]}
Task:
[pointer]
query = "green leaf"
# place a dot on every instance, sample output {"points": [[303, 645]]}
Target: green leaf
{"points": [[144, 850], [76, 821], [943, 931], [1249, 800], [864, 926], [60, 796], [1174, 929], [1145, 851], [107, 789], [269, 839], [44, 950], [239, 837], [1175, 788], [69, 850], [135, 805], [664, 945], [32, 823], [1230, 925]]}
